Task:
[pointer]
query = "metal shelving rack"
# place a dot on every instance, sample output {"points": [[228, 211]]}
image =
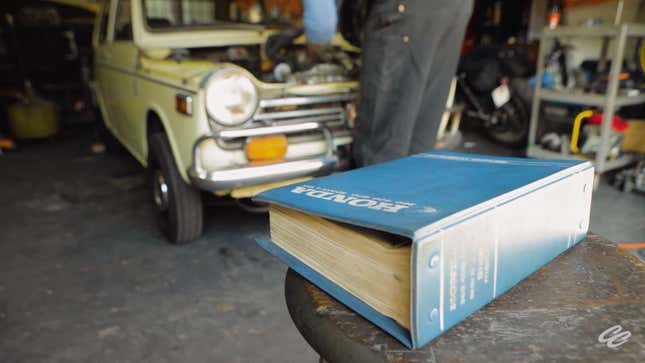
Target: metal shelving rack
{"points": [[610, 101]]}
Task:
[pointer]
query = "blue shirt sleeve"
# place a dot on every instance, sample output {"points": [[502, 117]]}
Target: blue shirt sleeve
{"points": [[321, 19]]}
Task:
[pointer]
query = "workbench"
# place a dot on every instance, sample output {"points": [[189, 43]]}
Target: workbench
{"points": [[557, 314]]}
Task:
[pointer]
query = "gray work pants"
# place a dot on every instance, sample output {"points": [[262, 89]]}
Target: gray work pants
{"points": [[410, 55]]}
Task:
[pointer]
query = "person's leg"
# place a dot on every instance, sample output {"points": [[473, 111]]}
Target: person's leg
{"points": [[441, 72], [403, 39], [389, 82]]}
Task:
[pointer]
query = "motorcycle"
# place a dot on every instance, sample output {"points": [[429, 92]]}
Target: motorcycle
{"points": [[492, 85]]}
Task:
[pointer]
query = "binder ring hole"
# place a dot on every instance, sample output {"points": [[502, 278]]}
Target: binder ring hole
{"points": [[434, 314], [434, 261]]}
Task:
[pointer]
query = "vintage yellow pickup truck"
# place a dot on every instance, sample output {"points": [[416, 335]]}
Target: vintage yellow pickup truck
{"points": [[188, 87]]}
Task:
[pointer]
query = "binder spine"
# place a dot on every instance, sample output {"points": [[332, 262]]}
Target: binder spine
{"points": [[459, 269]]}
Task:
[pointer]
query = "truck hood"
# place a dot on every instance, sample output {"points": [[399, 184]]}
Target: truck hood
{"points": [[193, 73], [220, 37], [223, 35]]}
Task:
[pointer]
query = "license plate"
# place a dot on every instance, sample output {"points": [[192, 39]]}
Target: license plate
{"points": [[501, 95]]}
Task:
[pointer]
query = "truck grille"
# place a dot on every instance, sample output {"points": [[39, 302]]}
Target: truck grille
{"points": [[300, 118], [330, 110]]}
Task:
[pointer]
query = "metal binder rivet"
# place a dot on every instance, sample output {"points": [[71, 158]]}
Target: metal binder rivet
{"points": [[434, 314], [434, 261], [584, 188]]}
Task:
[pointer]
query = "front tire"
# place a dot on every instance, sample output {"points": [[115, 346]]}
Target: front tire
{"points": [[179, 205]]}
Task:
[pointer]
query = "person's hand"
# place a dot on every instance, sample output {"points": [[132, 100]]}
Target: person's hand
{"points": [[277, 42], [316, 52]]}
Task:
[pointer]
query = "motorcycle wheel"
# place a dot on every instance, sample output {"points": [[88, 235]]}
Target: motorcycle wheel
{"points": [[512, 128]]}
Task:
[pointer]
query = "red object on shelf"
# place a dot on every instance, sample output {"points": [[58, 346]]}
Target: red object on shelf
{"points": [[555, 14], [554, 19], [617, 123]]}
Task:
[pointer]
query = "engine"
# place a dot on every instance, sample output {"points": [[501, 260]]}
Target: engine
{"points": [[297, 64]]}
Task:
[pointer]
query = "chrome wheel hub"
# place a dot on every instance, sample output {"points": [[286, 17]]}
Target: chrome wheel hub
{"points": [[160, 190]]}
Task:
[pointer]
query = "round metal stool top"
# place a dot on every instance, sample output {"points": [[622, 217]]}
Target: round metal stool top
{"points": [[557, 314]]}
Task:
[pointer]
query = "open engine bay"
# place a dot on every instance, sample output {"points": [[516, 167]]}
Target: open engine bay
{"points": [[294, 64]]}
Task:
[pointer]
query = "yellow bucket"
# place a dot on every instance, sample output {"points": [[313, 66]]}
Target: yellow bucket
{"points": [[34, 120]]}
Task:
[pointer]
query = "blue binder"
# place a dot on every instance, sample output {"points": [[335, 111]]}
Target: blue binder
{"points": [[478, 225]]}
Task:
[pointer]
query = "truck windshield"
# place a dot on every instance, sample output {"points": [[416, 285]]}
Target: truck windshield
{"points": [[173, 14]]}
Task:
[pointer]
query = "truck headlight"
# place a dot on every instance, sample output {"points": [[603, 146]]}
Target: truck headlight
{"points": [[231, 97]]}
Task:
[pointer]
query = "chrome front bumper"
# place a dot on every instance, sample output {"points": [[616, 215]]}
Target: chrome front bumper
{"points": [[256, 175], [245, 176]]}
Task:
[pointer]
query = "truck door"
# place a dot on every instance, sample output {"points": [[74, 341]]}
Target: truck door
{"points": [[117, 60]]}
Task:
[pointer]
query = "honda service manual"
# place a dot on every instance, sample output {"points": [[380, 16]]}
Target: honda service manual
{"points": [[418, 244]]}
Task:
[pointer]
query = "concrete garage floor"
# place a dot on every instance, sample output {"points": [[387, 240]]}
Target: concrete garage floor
{"points": [[86, 277]]}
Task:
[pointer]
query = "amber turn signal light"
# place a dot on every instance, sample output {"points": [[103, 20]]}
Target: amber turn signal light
{"points": [[184, 104], [266, 148]]}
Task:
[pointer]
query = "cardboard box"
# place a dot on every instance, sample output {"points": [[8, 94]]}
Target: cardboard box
{"points": [[634, 137]]}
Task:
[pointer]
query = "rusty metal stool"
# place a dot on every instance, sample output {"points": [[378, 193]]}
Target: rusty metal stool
{"points": [[557, 314]]}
